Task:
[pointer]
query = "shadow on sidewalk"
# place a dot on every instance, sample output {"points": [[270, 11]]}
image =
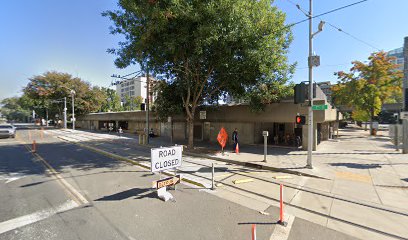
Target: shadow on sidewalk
{"points": [[356, 165]]}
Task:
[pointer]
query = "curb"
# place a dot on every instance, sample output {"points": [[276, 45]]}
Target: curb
{"points": [[120, 158]]}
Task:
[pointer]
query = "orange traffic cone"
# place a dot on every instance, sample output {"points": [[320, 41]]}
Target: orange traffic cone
{"points": [[237, 148]]}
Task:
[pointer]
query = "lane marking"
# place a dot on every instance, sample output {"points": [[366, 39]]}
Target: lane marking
{"points": [[35, 217], [280, 232], [76, 196]]}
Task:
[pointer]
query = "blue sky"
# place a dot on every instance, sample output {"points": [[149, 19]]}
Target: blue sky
{"points": [[72, 36]]}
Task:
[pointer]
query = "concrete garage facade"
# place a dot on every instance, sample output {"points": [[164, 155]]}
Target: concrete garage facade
{"points": [[278, 119]]}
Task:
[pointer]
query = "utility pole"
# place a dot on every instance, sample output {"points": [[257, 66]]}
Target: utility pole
{"points": [[147, 103], [310, 137], [65, 112]]}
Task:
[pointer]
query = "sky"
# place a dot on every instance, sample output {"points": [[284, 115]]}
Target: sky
{"points": [[72, 37]]}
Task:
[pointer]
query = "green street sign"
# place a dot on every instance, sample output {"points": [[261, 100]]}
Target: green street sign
{"points": [[319, 107]]}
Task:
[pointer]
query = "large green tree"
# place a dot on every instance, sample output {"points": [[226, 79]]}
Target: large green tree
{"points": [[112, 102], [368, 85], [14, 109], [205, 48], [43, 89]]}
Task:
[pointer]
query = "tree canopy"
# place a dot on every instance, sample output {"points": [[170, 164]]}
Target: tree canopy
{"points": [[44, 89], [368, 85], [14, 109], [206, 48]]}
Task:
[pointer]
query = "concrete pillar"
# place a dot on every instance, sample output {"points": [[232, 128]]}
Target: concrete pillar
{"points": [[305, 129]]}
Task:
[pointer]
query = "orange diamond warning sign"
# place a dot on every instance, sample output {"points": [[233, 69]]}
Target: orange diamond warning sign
{"points": [[222, 137]]}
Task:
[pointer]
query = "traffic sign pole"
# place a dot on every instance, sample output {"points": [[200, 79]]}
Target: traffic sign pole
{"points": [[310, 120]]}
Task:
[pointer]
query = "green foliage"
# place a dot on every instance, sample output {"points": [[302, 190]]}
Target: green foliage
{"points": [[167, 102], [112, 102], [132, 103], [205, 48], [13, 109], [42, 90], [368, 85]]}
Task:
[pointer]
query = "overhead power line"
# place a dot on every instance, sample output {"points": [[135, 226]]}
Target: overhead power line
{"points": [[325, 13], [332, 25]]}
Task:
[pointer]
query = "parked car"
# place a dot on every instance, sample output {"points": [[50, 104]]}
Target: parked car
{"points": [[7, 130]]}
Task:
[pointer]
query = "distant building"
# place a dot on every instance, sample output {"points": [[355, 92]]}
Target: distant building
{"points": [[398, 54], [135, 87], [326, 89]]}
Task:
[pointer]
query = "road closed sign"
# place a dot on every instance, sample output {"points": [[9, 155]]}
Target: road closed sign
{"points": [[165, 158]]}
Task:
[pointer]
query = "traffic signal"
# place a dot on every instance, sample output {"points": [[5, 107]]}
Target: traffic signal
{"points": [[300, 120], [143, 106], [300, 93], [406, 99]]}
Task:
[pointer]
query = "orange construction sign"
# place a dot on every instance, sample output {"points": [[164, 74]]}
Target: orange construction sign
{"points": [[222, 137]]}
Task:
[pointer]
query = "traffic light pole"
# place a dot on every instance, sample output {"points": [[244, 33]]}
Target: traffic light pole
{"points": [[310, 137]]}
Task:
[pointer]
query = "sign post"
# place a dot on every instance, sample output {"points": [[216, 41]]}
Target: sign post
{"points": [[265, 135]]}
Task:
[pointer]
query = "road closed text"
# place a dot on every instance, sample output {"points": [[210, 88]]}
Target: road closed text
{"points": [[166, 158], [169, 163]]}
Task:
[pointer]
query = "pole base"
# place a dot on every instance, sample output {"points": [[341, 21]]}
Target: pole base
{"points": [[309, 166], [282, 223]]}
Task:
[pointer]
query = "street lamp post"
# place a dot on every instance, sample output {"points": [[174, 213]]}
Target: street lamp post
{"points": [[312, 61], [73, 109], [65, 112]]}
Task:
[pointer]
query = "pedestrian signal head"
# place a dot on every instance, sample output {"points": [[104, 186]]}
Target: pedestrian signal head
{"points": [[300, 120]]}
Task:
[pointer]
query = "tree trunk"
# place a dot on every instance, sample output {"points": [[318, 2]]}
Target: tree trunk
{"points": [[371, 121], [190, 124], [365, 128]]}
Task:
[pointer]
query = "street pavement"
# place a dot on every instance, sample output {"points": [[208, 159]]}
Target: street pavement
{"points": [[343, 201], [66, 191]]}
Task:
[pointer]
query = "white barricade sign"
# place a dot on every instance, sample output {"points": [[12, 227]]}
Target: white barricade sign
{"points": [[165, 158]]}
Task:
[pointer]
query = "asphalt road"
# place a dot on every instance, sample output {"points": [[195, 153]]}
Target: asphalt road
{"points": [[121, 204], [67, 192]]}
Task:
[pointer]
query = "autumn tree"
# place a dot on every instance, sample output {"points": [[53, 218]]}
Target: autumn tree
{"points": [[368, 85], [43, 89], [205, 48]]}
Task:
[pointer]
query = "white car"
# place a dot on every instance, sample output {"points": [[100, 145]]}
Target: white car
{"points": [[7, 130]]}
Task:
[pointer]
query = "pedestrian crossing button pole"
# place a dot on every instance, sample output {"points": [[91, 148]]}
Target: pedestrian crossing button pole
{"points": [[265, 135]]}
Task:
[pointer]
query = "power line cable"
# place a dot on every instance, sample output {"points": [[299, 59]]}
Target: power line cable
{"points": [[333, 26], [325, 13]]}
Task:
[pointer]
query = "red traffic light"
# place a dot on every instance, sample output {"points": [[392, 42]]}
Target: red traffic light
{"points": [[300, 120]]}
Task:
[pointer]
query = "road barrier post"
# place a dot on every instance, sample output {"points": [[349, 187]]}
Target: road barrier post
{"points": [[34, 148], [253, 232], [212, 176], [281, 216]]}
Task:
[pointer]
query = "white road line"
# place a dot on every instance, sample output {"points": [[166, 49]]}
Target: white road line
{"points": [[35, 217], [282, 232]]}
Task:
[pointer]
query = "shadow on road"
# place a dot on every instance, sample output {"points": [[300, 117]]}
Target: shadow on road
{"points": [[133, 192]]}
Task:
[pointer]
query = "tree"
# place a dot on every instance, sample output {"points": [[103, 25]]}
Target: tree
{"points": [[204, 48], [112, 102], [43, 89], [368, 85], [13, 110]]}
